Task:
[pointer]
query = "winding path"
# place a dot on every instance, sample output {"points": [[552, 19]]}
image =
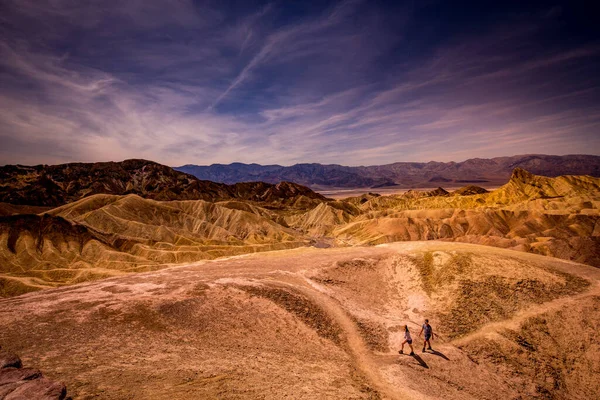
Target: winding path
{"points": [[361, 355], [366, 362]]}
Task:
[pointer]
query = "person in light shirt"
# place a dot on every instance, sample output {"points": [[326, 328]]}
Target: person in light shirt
{"points": [[407, 340]]}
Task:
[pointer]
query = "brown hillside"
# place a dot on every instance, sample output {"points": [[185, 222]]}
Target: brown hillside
{"points": [[56, 185]]}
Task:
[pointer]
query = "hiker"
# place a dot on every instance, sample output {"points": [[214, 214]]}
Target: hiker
{"points": [[407, 339], [428, 335]]}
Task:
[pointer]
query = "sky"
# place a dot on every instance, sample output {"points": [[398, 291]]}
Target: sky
{"points": [[284, 82]]}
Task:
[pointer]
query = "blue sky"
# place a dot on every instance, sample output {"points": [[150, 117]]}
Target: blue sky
{"points": [[347, 82]]}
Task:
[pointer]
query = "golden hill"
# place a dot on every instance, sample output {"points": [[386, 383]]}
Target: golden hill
{"points": [[553, 216], [322, 323], [105, 234]]}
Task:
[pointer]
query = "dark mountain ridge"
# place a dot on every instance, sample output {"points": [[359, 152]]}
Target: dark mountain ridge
{"points": [[55, 185], [490, 172]]}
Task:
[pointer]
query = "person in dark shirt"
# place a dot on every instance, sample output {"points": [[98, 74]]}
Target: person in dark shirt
{"points": [[428, 330]]}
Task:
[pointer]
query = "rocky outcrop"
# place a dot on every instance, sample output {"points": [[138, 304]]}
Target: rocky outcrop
{"points": [[286, 193], [18, 383], [9, 360], [416, 194], [469, 190]]}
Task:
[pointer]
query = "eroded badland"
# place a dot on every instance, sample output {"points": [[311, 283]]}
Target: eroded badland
{"points": [[125, 292]]}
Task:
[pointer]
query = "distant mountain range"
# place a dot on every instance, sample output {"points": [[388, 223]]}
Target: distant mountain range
{"points": [[481, 171], [55, 185]]}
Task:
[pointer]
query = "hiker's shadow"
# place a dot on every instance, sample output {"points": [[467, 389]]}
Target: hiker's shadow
{"points": [[437, 353], [420, 361]]}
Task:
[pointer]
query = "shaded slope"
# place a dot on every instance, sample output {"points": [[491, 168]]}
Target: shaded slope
{"points": [[55, 185], [469, 191], [7, 209]]}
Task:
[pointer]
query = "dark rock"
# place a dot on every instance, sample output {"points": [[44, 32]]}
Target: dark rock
{"points": [[9, 360], [17, 383], [469, 190], [438, 192], [9, 387], [39, 389], [8, 375], [55, 185]]}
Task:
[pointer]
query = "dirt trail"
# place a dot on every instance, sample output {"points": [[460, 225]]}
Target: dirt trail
{"points": [[361, 355], [515, 322]]}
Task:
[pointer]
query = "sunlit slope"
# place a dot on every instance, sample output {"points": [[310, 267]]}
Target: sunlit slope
{"points": [[175, 222], [321, 220], [323, 323], [523, 191], [552, 216], [43, 251], [104, 235]]}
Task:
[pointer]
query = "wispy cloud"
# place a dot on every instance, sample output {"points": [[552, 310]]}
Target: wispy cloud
{"points": [[287, 40], [339, 83]]}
